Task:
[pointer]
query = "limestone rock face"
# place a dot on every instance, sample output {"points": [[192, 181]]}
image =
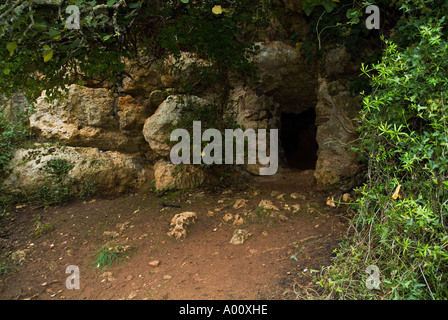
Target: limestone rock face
{"points": [[142, 77], [158, 127], [287, 76], [111, 172], [17, 108], [336, 110], [84, 119], [181, 176]]}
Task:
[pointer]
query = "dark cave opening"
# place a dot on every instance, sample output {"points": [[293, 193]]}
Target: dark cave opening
{"points": [[298, 139]]}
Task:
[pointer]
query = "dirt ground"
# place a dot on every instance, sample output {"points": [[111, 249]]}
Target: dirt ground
{"points": [[38, 244]]}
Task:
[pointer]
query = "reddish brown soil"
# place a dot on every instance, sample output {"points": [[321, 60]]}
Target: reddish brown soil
{"points": [[271, 264]]}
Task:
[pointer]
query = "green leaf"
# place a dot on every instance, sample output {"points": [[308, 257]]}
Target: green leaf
{"points": [[110, 3], [53, 32], [48, 53], [184, 1], [329, 5], [6, 71], [308, 10], [11, 46]]}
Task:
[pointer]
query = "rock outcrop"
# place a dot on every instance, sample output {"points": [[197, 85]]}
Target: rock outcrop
{"points": [[85, 119], [168, 175], [111, 172], [336, 110], [157, 129]]}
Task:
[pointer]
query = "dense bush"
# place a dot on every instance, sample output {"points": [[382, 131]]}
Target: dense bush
{"points": [[12, 134], [400, 222]]}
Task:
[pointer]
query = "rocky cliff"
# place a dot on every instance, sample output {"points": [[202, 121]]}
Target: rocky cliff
{"points": [[115, 148]]}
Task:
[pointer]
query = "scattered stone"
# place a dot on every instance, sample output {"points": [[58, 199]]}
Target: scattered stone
{"points": [[267, 204], [330, 203], [281, 196], [296, 196], [123, 225], [310, 209], [275, 193], [238, 220], [19, 256], [154, 263], [346, 197], [282, 217], [227, 217], [112, 234], [132, 295], [179, 222], [167, 277], [295, 208], [210, 213], [239, 236], [239, 204], [108, 277]]}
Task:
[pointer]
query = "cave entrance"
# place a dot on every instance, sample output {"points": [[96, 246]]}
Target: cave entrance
{"points": [[298, 139]]}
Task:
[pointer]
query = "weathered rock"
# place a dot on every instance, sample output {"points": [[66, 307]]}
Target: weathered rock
{"points": [[240, 203], [227, 217], [336, 132], [296, 195], [238, 220], [19, 256], [239, 236], [346, 197], [287, 84], [286, 69], [180, 222], [154, 263], [84, 119], [111, 172], [187, 68], [295, 208], [168, 175], [17, 108], [267, 205], [157, 129], [142, 76]]}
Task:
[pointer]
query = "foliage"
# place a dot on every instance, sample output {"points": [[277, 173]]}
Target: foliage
{"points": [[59, 168], [401, 213], [53, 194], [39, 52], [88, 189], [105, 258], [12, 135], [342, 22], [210, 118], [4, 269], [109, 255]]}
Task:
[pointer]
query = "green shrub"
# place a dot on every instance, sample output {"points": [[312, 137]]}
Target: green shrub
{"points": [[401, 213], [12, 135], [49, 194], [109, 254], [59, 168], [88, 189]]}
